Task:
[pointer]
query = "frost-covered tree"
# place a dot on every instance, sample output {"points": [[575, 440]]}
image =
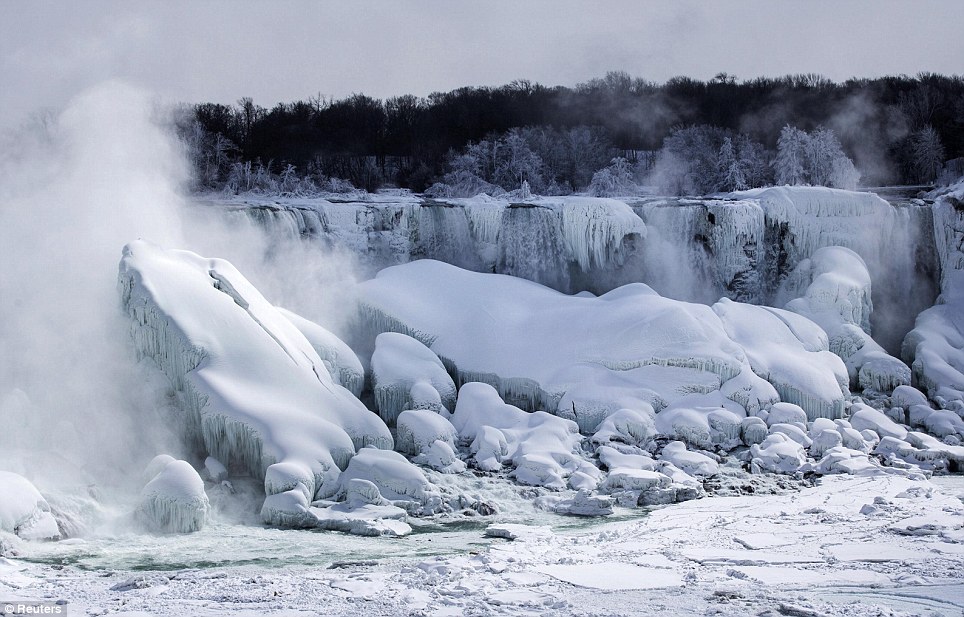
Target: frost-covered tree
{"points": [[732, 176], [790, 164], [517, 162], [614, 180], [754, 161], [928, 154]]}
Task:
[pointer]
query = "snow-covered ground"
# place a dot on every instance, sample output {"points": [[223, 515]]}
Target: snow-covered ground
{"points": [[847, 546]]}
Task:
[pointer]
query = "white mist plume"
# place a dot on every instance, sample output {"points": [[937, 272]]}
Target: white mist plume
{"points": [[73, 190]]}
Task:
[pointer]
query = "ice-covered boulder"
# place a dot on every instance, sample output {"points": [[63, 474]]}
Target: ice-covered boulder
{"points": [[253, 389], [397, 480], [703, 421], [417, 429], [24, 511], [401, 365], [174, 501], [343, 365], [905, 396], [866, 417], [790, 352], [777, 453], [631, 426], [787, 413], [582, 357], [693, 463], [541, 447]]}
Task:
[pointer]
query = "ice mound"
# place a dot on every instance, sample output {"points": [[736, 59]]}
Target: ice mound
{"points": [[174, 501], [430, 438], [586, 357], [636, 479], [541, 447], [703, 421], [401, 365], [24, 511], [833, 289], [364, 512], [253, 390], [791, 353], [396, 479], [778, 454], [630, 426], [343, 365]]}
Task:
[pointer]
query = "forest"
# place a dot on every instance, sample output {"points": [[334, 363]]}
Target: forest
{"points": [[605, 136]]}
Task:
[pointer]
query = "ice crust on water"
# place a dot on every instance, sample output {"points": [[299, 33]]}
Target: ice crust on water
{"points": [[343, 365], [24, 511], [401, 364], [174, 501], [253, 390]]}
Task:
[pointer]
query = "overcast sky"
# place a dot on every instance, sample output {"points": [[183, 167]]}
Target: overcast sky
{"points": [[282, 51]]}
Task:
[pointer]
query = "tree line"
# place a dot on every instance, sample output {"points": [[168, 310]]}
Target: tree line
{"points": [[685, 134]]}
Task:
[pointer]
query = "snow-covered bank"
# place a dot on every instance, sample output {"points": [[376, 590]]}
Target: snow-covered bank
{"points": [[850, 546]]}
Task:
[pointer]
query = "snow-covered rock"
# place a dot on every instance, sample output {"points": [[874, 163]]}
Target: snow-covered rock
{"points": [[214, 470], [693, 463], [397, 480], [630, 426], [417, 429], [866, 417], [253, 390], [703, 421], [174, 501], [777, 453], [541, 447], [402, 364], [24, 511]]}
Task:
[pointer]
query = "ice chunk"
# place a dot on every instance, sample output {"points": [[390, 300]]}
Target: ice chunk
{"points": [[214, 470], [905, 396], [787, 413], [174, 501], [440, 456], [398, 364], [24, 511], [253, 390], [630, 426], [343, 365]]}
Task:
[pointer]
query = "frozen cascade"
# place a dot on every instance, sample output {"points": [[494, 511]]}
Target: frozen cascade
{"points": [[444, 233], [935, 347], [253, 390], [531, 245]]}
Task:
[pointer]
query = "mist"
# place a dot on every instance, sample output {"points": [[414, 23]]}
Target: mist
{"points": [[75, 187]]}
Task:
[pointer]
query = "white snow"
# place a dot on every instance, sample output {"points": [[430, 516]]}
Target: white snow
{"points": [[541, 447]]}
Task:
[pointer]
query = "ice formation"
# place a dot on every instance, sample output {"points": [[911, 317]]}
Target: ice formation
{"points": [[402, 364], [833, 289], [24, 511], [174, 500], [586, 357], [542, 448], [396, 479], [430, 438], [253, 390]]}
